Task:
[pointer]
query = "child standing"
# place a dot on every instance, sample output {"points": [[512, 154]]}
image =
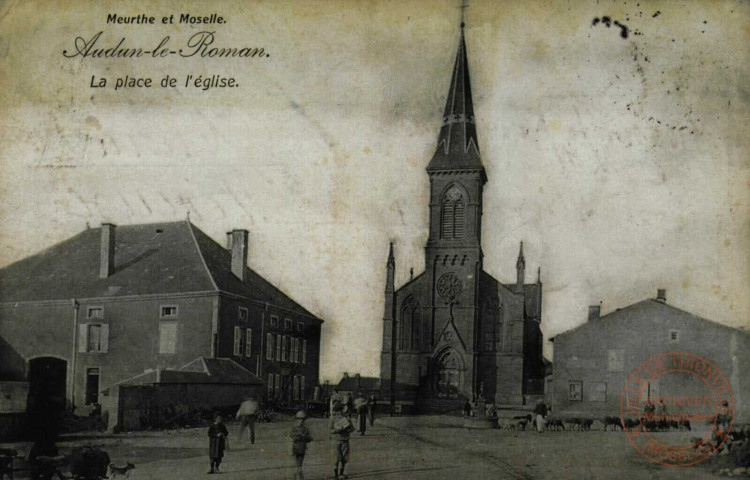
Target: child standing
{"points": [[341, 428], [217, 434], [300, 436]]}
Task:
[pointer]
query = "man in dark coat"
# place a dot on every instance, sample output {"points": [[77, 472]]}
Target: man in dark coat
{"points": [[217, 435], [371, 404]]}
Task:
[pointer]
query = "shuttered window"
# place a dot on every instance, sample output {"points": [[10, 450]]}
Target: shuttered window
{"points": [[93, 337], [269, 346], [452, 214], [237, 341], [278, 348], [248, 341], [304, 351], [167, 337]]}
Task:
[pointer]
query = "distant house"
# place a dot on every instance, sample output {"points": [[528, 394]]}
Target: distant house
{"points": [[593, 361], [356, 383], [111, 302]]}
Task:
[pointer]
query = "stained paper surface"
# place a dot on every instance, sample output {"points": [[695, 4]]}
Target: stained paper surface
{"points": [[616, 151]]}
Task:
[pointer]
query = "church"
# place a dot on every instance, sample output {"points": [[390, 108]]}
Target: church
{"points": [[454, 332]]}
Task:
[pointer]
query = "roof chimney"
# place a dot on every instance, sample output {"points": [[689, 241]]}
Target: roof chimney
{"points": [[229, 241], [107, 252], [661, 295], [594, 312], [239, 253]]}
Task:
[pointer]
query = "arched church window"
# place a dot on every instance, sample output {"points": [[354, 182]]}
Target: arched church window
{"points": [[452, 217], [411, 325]]}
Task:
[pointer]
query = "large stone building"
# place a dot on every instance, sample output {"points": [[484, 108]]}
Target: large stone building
{"points": [[113, 302], [454, 331], [593, 361]]}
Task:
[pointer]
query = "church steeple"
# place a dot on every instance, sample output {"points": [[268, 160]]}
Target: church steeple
{"points": [[458, 147], [520, 267]]}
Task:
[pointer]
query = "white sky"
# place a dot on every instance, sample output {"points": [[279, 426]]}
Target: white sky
{"points": [[321, 151]]}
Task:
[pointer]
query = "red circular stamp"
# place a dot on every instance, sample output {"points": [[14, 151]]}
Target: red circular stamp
{"points": [[677, 409]]}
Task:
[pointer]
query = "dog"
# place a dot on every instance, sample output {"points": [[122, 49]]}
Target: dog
{"points": [[555, 424], [117, 471]]}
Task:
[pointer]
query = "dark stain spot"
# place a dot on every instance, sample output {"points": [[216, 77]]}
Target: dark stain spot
{"points": [[656, 14]]}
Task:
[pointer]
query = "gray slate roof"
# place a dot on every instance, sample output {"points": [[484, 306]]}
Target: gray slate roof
{"points": [[155, 258]]}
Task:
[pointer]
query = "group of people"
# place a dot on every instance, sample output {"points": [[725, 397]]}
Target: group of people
{"points": [[341, 409]]}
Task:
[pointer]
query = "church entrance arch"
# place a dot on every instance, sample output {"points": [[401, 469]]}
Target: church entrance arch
{"points": [[448, 374]]}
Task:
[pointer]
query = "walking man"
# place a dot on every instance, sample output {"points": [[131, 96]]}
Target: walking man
{"points": [[360, 405], [371, 404], [540, 412], [248, 415], [300, 436], [341, 429]]}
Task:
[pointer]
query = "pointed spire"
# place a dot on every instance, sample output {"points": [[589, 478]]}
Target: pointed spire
{"points": [[520, 267], [521, 262], [539, 275], [458, 147], [391, 261]]}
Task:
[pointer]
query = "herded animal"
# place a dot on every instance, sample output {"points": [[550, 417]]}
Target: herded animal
{"points": [[555, 424], [522, 421], [574, 422], [586, 424], [612, 421]]}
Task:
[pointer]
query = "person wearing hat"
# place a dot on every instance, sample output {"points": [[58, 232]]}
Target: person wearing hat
{"points": [[341, 428], [217, 435], [300, 436]]}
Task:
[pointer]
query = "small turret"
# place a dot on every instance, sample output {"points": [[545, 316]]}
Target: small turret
{"points": [[520, 268]]}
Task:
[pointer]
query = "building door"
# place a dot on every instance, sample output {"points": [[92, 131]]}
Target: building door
{"points": [[47, 382], [448, 373], [92, 386]]}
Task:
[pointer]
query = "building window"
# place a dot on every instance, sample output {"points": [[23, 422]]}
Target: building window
{"points": [[674, 336], [302, 387], [92, 386], [93, 337], [167, 337], [278, 348], [284, 348], [293, 350], [575, 392], [238, 341], [411, 316], [277, 384], [270, 384], [597, 392], [242, 314], [168, 311], [616, 360], [274, 321], [269, 346], [295, 391], [300, 327], [452, 216], [287, 324], [95, 312], [248, 341], [304, 352]]}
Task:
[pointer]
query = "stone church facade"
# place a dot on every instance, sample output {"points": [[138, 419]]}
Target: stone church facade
{"points": [[454, 332]]}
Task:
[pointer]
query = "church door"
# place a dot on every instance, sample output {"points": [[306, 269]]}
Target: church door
{"points": [[448, 375]]}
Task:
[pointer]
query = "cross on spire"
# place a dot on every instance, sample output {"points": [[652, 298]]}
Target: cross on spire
{"points": [[463, 7]]}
